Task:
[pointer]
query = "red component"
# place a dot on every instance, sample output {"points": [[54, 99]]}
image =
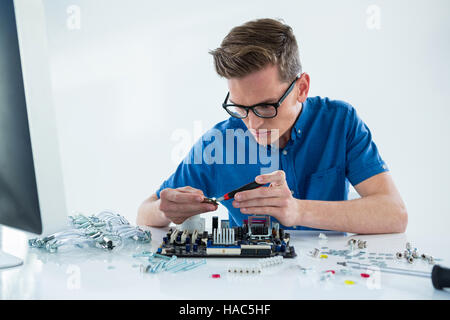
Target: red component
{"points": [[226, 197], [332, 271], [215, 276], [365, 275]]}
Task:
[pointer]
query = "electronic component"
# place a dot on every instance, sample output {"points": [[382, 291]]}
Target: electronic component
{"points": [[357, 244], [245, 270], [259, 227], [257, 237], [215, 222], [268, 262], [412, 254], [193, 223], [211, 201], [315, 253], [105, 230]]}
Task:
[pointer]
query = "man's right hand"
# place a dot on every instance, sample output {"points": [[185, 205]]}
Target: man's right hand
{"points": [[182, 203]]}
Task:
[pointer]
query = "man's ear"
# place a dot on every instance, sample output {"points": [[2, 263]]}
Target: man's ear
{"points": [[303, 87]]}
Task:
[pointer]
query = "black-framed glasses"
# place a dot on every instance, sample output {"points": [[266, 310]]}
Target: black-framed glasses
{"points": [[262, 110]]}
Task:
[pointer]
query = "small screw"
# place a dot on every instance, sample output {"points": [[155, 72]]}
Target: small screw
{"points": [[315, 253]]}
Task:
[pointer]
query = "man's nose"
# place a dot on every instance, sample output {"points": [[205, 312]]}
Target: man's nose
{"points": [[254, 121]]}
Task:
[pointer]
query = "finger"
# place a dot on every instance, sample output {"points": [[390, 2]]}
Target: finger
{"points": [[276, 178], [180, 197], [262, 192], [263, 202], [188, 189], [271, 211]]}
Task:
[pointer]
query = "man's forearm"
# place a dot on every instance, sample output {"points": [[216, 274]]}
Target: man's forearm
{"points": [[150, 215], [372, 214]]}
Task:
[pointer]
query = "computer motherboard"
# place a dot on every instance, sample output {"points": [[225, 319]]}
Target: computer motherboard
{"points": [[257, 238]]}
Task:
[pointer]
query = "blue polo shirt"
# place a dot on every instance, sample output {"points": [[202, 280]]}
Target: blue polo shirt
{"points": [[330, 147]]}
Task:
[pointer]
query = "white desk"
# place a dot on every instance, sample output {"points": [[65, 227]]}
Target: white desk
{"points": [[95, 274]]}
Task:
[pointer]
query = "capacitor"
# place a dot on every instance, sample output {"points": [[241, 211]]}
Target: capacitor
{"points": [[215, 222]]}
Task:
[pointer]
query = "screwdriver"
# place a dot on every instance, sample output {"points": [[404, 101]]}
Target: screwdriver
{"points": [[249, 186], [440, 276], [230, 195]]}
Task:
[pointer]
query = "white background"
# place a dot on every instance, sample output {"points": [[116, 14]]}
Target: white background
{"points": [[128, 75]]}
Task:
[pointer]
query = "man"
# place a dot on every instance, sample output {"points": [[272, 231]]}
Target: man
{"points": [[319, 147]]}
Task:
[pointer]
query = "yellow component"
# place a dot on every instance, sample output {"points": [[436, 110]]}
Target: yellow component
{"points": [[349, 282], [323, 256]]}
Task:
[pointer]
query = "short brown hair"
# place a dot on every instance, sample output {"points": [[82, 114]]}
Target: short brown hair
{"points": [[255, 45]]}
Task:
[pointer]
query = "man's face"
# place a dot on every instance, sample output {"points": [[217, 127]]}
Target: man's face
{"points": [[265, 86]]}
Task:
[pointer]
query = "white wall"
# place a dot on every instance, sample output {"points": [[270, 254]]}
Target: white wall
{"points": [[128, 74]]}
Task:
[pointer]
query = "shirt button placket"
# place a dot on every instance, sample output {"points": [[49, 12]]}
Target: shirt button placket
{"points": [[287, 168]]}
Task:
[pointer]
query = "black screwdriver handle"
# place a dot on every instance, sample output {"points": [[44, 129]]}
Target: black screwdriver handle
{"points": [[249, 186], [440, 277]]}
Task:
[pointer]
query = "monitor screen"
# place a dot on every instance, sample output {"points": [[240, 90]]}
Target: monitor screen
{"points": [[19, 202]]}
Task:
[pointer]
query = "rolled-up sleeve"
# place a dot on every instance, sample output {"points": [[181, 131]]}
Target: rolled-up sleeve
{"points": [[362, 157]]}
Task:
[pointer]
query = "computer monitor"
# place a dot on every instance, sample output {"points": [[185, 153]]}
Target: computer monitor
{"points": [[32, 195]]}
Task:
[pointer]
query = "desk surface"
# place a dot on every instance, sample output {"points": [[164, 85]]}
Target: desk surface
{"points": [[95, 274]]}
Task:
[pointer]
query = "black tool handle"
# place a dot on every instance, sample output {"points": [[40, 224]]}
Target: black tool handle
{"points": [[440, 277], [250, 186]]}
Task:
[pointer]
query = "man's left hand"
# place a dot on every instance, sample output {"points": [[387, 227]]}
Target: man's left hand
{"points": [[275, 200]]}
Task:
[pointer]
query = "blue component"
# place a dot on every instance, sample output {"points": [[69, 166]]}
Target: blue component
{"points": [[188, 247], [188, 240], [195, 247], [278, 248], [165, 239], [179, 238], [209, 243], [283, 248], [159, 250]]}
